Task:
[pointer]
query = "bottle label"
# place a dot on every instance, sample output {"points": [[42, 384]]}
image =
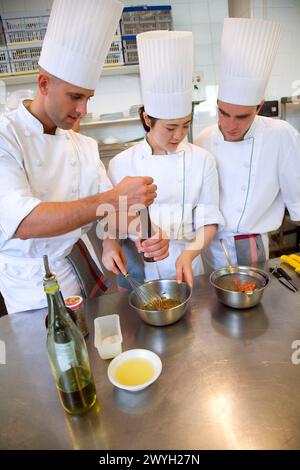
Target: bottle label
{"points": [[66, 356]]}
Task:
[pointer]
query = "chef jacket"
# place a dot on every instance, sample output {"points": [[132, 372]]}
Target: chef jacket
{"points": [[35, 168], [187, 196], [258, 176]]}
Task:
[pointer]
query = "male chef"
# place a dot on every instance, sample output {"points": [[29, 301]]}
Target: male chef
{"points": [[258, 158], [51, 179]]}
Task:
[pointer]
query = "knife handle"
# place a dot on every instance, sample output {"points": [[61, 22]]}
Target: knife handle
{"points": [[284, 274]]}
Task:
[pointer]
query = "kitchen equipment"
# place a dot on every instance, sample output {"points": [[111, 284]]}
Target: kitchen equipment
{"points": [[284, 278], [293, 260], [146, 230], [168, 288], [144, 296], [226, 251], [222, 279], [134, 370], [108, 336], [226, 281]]}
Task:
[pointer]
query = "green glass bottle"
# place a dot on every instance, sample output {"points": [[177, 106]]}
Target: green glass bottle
{"points": [[67, 352]]}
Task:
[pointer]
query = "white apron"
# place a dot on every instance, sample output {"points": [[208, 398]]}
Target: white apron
{"points": [[167, 212]]}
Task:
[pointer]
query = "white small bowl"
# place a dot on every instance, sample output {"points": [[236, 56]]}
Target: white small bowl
{"points": [[134, 354]]}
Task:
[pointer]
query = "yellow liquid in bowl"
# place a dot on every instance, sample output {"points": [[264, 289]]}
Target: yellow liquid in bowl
{"points": [[134, 372]]}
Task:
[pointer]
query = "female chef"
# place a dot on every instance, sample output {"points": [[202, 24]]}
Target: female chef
{"points": [[186, 207]]}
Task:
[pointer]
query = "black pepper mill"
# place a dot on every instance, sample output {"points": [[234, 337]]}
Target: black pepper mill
{"points": [[147, 230]]}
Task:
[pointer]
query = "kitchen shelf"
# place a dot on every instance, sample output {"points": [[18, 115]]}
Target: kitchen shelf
{"points": [[16, 79], [108, 121]]}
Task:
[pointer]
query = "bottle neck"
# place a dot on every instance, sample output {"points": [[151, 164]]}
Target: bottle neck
{"points": [[56, 308]]}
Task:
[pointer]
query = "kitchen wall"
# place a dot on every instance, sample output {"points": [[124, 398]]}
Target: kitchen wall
{"points": [[204, 18], [118, 93], [285, 78]]}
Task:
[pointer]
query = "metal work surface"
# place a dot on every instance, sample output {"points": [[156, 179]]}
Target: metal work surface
{"points": [[228, 381]]}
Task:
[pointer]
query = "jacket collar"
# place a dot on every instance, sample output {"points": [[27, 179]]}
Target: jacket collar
{"points": [[147, 150], [249, 134], [31, 123]]}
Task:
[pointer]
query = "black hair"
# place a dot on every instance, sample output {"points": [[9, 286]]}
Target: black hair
{"points": [[152, 119]]}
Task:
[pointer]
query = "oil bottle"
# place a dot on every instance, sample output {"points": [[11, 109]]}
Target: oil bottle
{"points": [[67, 352]]}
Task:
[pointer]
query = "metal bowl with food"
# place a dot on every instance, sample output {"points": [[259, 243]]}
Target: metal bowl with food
{"points": [[174, 297], [239, 286]]}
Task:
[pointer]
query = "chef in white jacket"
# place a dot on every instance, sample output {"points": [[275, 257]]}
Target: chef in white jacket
{"points": [[51, 179], [258, 158], [187, 201]]}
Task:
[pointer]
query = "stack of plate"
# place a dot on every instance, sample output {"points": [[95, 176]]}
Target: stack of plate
{"points": [[111, 116], [134, 110]]}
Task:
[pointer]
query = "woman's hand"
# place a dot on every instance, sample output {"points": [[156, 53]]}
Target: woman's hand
{"points": [[184, 270], [113, 257], [156, 247]]}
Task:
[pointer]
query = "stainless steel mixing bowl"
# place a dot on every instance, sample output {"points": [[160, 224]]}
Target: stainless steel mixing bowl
{"points": [[169, 289], [221, 279]]}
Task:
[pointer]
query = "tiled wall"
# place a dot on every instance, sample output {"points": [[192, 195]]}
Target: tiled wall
{"points": [[118, 93], [285, 78], [204, 18]]}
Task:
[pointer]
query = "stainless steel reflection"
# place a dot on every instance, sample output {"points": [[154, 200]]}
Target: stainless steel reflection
{"points": [[164, 287], [236, 299]]}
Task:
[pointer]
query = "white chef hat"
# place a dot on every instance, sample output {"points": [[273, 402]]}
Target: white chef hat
{"points": [[166, 67], [78, 38], [248, 51]]}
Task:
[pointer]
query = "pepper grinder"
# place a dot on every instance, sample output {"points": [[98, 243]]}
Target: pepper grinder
{"points": [[146, 230]]}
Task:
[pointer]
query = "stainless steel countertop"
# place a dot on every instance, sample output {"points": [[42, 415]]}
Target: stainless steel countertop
{"points": [[227, 380]]}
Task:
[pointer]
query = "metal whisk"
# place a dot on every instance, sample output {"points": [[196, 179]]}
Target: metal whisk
{"points": [[145, 297]]}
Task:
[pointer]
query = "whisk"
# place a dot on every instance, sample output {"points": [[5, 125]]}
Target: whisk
{"points": [[145, 297]]}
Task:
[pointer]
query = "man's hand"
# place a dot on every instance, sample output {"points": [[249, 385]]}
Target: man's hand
{"points": [[138, 189], [113, 257], [184, 270], [156, 247]]}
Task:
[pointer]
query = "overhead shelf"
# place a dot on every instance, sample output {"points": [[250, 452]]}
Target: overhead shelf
{"points": [[108, 121], [30, 77]]}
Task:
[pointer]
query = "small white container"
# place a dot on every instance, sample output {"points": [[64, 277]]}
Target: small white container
{"points": [[108, 336]]}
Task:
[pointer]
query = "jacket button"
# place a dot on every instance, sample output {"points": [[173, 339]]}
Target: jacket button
{"points": [[73, 162], [27, 134], [38, 163]]}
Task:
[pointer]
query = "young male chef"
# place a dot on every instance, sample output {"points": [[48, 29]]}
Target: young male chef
{"points": [[258, 158], [51, 179]]}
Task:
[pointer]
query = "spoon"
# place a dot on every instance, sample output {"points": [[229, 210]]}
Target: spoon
{"points": [[227, 254], [229, 262]]}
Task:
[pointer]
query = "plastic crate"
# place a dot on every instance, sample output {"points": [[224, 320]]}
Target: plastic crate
{"points": [[25, 21], [20, 52], [130, 50], [115, 53], [5, 67], [13, 37], [3, 54], [21, 66], [137, 20]]}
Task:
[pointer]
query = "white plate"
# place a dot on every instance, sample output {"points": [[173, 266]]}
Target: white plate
{"points": [[134, 354]]}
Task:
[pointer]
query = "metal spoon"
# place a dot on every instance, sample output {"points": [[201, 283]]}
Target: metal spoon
{"points": [[230, 264], [227, 254]]}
